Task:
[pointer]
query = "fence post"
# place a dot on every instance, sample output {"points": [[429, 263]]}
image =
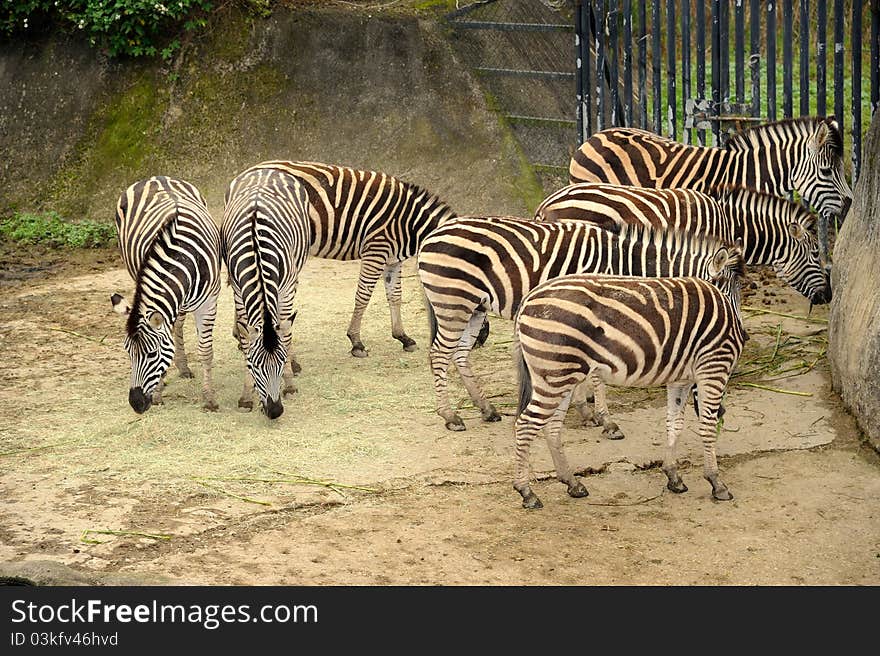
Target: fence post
{"points": [[716, 70], [755, 55], [579, 73], [804, 37], [627, 64], [701, 61], [821, 57], [657, 63], [643, 64], [686, 63], [838, 61], [670, 69], [613, 72], [856, 40], [740, 50], [598, 18], [771, 61], [787, 59]]}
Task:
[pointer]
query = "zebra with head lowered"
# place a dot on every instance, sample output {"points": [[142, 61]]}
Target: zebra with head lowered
{"points": [[371, 216], [677, 332], [800, 154], [472, 266], [774, 231], [171, 248], [265, 234]]}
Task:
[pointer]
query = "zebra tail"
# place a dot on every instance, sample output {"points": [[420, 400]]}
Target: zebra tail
{"points": [[432, 320], [524, 377]]}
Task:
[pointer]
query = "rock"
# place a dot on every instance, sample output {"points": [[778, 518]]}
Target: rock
{"points": [[854, 320]]}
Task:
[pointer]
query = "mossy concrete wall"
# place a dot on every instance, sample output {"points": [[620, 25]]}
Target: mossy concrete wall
{"points": [[854, 321], [375, 91]]}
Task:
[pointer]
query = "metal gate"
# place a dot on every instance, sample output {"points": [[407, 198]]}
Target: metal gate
{"points": [[629, 57]]}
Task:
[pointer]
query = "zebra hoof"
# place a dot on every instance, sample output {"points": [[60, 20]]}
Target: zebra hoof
{"points": [[295, 367], [455, 424], [210, 406], [246, 404], [722, 494], [491, 415], [577, 490], [677, 486], [612, 432], [359, 351], [288, 392], [409, 344], [532, 502], [186, 373]]}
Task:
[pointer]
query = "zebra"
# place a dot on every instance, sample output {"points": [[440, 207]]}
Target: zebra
{"points": [[475, 265], [677, 332], [171, 248], [371, 216], [774, 231], [265, 243], [800, 154]]}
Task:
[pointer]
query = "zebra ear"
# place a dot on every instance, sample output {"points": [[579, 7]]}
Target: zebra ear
{"points": [[796, 230], [719, 261], [156, 320], [823, 133], [120, 305]]}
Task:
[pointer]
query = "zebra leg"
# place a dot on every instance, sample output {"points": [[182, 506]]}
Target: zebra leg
{"points": [[240, 333], [676, 399], [582, 398], [710, 391], [536, 415], [462, 363], [449, 332], [179, 351], [601, 415], [287, 375], [372, 266], [564, 472], [205, 316], [394, 294]]}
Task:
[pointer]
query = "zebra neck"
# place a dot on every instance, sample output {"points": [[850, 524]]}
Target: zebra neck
{"points": [[158, 291], [763, 157]]}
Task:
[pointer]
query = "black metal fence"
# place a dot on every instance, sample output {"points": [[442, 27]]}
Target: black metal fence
{"points": [[694, 70], [626, 50]]}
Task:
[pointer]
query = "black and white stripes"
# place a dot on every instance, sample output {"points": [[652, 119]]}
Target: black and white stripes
{"points": [[371, 216], [265, 236], [677, 332], [171, 248]]}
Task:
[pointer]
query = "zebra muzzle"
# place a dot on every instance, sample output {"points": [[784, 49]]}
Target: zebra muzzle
{"points": [[273, 408], [139, 401]]}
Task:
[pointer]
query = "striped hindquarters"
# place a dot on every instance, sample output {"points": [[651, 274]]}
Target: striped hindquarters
{"points": [[355, 211]]}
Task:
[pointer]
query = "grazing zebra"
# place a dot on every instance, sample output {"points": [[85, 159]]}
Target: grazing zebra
{"points": [[773, 231], [171, 248], [472, 266], [370, 216], [630, 331], [265, 234], [800, 154]]}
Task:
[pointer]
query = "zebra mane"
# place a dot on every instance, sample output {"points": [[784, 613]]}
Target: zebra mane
{"points": [[747, 139], [701, 243], [800, 213], [270, 335], [134, 316], [432, 200]]}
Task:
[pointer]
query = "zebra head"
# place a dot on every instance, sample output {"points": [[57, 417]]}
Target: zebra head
{"points": [[268, 346], [819, 176], [150, 346], [799, 262], [726, 270]]}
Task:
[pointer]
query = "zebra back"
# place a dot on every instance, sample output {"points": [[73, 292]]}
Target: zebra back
{"points": [[803, 154], [494, 262], [354, 210]]}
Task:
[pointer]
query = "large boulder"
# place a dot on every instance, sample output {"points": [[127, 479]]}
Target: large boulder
{"points": [[854, 323]]}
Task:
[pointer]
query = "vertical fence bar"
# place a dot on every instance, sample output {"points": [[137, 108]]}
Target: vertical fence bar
{"points": [[701, 61], [755, 55], [856, 41], [657, 63], [724, 51], [740, 49], [598, 19], [771, 61], [688, 135], [787, 59], [875, 56], [643, 65], [821, 56], [838, 61], [804, 38], [627, 64], [614, 74], [716, 70], [671, 61], [579, 77]]}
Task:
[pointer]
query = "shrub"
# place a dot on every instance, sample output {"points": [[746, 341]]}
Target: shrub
{"points": [[50, 229]]}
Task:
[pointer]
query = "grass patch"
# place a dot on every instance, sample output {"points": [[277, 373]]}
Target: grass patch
{"points": [[50, 229]]}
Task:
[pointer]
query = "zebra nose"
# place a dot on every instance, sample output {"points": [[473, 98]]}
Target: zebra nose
{"points": [[139, 401], [274, 408]]}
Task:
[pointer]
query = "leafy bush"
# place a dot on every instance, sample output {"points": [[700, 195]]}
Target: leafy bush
{"points": [[122, 27], [50, 229]]}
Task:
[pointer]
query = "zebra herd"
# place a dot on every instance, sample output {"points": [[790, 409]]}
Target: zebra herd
{"points": [[630, 275]]}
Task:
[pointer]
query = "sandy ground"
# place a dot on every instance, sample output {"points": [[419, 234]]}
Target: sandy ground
{"points": [[90, 492]]}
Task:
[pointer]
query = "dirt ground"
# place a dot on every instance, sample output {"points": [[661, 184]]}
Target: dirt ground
{"points": [[359, 483]]}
